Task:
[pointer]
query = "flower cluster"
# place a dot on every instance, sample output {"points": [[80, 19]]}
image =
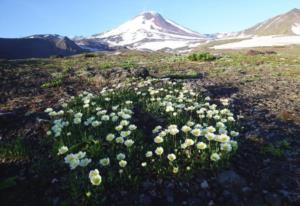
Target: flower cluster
{"points": [[112, 129]]}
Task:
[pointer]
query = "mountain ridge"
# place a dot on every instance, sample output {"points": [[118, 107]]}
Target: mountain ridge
{"points": [[284, 24], [37, 46], [145, 28]]}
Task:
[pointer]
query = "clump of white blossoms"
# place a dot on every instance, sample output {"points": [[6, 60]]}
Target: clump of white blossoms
{"points": [[62, 150], [95, 177], [152, 127]]}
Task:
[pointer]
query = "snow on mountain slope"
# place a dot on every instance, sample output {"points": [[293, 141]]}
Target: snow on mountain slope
{"points": [[149, 30], [262, 41], [296, 28], [280, 30]]}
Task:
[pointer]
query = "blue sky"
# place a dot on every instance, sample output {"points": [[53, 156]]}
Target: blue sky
{"points": [[85, 17]]}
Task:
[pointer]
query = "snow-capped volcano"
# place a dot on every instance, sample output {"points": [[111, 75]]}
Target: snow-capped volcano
{"points": [[149, 30]]}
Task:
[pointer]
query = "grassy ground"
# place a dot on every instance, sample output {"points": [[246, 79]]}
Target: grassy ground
{"points": [[264, 86]]}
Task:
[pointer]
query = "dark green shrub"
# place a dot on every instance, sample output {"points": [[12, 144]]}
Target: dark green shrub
{"points": [[90, 55], [201, 57]]}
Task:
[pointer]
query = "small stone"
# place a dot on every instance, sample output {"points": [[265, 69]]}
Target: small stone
{"points": [[246, 190], [211, 203], [145, 200], [230, 179], [204, 185], [273, 199]]}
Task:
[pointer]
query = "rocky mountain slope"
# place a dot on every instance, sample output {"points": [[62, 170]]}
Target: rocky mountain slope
{"points": [[284, 24], [280, 30], [37, 46]]}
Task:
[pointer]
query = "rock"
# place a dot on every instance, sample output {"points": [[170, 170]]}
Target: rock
{"points": [[246, 190], [204, 185], [194, 202], [211, 203], [141, 72], [145, 200], [230, 179], [273, 199], [169, 194]]}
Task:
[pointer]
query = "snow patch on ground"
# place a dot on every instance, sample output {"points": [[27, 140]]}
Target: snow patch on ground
{"points": [[158, 45], [296, 28], [263, 41]]}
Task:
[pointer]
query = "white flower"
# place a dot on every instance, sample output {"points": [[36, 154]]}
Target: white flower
{"points": [[211, 129], [189, 142], [95, 177], [172, 129], [122, 163], [196, 132], [104, 161], [149, 154], [125, 133], [84, 162], [129, 143], [185, 129], [171, 157], [169, 109], [81, 154], [121, 156], [62, 150], [223, 138], [230, 119], [201, 146], [162, 134], [124, 123], [110, 137], [48, 110], [190, 123], [226, 147], [126, 116], [175, 170], [95, 123], [156, 129], [222, 130], [114, 118], [72, 160], [224, 101], [215, 157], [220, 125], [158, 140], [119, 127], [234, 144], [234, 133], [183, 146], [78, 115], [159, 151], [120, 140], [77, 120], [207, 99], [210, 136], [105, 118], [144, 164], [132, 127]]}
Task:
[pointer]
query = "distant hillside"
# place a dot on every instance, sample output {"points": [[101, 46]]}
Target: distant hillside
{"points": [[284, 24], [37, 46]]}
